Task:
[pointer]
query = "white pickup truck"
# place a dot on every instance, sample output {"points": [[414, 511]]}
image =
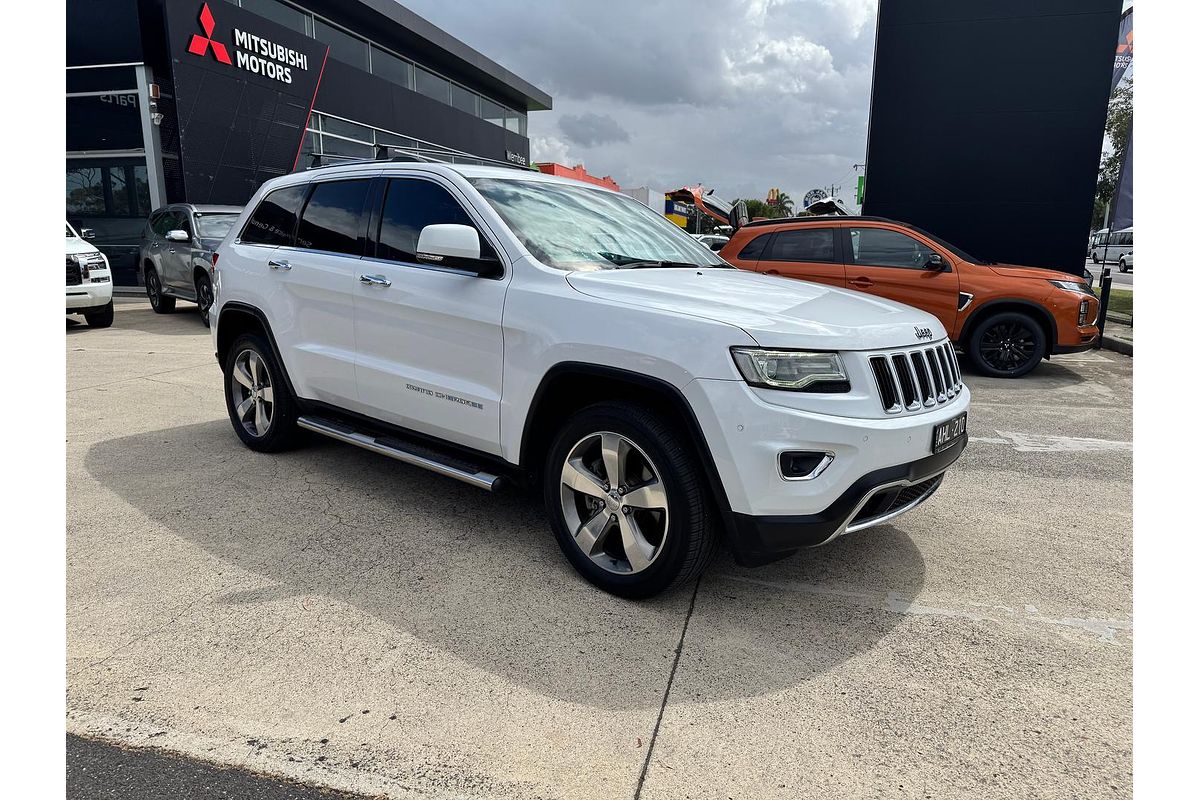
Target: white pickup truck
{"points": [[497, 325]]}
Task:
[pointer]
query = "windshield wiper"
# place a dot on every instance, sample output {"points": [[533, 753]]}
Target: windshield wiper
{"points": [[630, 262]]}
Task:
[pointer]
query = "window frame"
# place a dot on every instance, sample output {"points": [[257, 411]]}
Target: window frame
{"points": [[769, 250], [848, 249], [379, 197]]}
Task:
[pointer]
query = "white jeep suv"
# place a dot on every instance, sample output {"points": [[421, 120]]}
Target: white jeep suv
{"points": [[495, 325]]}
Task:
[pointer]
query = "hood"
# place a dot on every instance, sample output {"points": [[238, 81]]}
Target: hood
{"points": [[776, 312], [77, 245], [1033, 273]]}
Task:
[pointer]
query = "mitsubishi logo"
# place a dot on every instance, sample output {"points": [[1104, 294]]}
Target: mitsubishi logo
{"points": [[199, 44]]}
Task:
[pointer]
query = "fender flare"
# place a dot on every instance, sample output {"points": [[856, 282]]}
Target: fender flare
{"points": [[246, 308]]}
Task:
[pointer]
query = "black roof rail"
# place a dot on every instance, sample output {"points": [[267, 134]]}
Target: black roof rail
{"points": [[385, 152]]}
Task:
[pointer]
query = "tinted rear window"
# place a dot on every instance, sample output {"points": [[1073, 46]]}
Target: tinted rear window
{"points": [[805, 244], [755, 247], [275, 218], [332, 220]]}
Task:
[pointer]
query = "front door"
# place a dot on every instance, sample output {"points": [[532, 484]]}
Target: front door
{"points": [[895, 265], [430, 341], [177, 256], [806, 253]]}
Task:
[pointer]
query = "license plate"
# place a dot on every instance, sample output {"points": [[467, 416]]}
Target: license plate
{"points": [[949, 432]]}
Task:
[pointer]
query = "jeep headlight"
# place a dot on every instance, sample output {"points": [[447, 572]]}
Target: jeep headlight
{"points": [[795, 370]]}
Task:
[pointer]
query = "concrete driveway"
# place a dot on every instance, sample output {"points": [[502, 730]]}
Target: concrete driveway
{"points": [[337, 618]]}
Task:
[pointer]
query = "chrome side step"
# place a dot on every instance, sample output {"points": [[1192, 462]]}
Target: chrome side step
{"points": [[413, 454]]}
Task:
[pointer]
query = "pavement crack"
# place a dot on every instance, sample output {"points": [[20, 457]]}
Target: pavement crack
{"points": [[666, 693]]}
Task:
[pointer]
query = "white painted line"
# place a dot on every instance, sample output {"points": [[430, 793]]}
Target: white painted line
{"points": [[1043, 443], [1106, 629]]}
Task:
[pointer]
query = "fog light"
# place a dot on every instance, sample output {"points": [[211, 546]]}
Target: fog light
{"points": [[803, 465]]}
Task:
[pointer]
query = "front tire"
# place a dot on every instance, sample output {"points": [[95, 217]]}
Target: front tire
{"points": [[102, 318], [1122, 266], [161, 303], [1007, 345], [261, 408], [627, 502]]}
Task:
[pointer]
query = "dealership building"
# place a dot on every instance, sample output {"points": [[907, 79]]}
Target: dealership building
{"points": [[200, 101]]}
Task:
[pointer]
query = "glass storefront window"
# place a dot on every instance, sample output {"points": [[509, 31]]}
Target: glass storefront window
{"points": [[433, 86], [511, 122], [85, 191], [331, 145], [343, 46], [464, 99], [492, 112], [350, 130], [285, 15], [394, 69]]}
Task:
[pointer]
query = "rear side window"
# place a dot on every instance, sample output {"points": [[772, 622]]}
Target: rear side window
{"points": [[275, 218], [754, 248], [410, 205], [805, 244], [332, 220]]}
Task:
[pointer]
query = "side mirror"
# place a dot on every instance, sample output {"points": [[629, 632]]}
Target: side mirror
{"points": [[935, 263], [457, 247], [87, 233], [178, 236]]}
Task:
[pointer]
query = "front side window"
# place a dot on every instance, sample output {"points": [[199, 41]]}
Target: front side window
{"points": [[332, 219], [573, 227], [160, 223], [805, 244], [410, 205], [275, 218], [879, 247]]}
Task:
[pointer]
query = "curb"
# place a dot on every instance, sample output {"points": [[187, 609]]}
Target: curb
{"points": [[1117, 345]]}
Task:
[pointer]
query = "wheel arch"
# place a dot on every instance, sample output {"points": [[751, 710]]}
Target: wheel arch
{"points": [[992, 307], [568, 387], [237, 319]]}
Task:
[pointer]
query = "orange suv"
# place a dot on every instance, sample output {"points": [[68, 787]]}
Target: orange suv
{"points": [[1005, 318]]}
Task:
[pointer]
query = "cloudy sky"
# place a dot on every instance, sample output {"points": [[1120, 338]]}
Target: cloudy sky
{"points": [[740, 95]]}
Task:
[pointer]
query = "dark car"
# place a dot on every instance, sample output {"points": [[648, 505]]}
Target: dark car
{"points": [[176, 253]]}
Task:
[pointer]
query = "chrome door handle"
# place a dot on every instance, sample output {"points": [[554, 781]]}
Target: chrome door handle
{"points": [[374, 280], [283, 265], [172, 250]]}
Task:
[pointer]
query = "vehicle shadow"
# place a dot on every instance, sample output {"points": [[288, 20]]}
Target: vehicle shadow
{"points": [[184, 321], [481, 578]]}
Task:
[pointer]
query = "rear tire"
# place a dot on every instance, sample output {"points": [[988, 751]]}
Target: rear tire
{"points": [[102, 318], [261, 408], [204, 297], [1121, 266], [161, 303], [652, 530], [1007, 345]]}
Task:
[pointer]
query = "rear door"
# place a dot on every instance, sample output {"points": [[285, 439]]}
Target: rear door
{"points": [[891, 264], [430, 341], [809, 253]]}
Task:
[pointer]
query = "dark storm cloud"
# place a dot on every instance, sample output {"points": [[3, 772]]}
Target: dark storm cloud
{"points": [[591, 129], [744, 96]]}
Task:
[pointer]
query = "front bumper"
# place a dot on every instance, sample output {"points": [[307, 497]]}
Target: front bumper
{"points": [[873, 499], [768, 516], [88, 296]]}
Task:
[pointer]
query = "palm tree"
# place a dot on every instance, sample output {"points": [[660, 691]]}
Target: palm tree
{"points": [[785, 204]]}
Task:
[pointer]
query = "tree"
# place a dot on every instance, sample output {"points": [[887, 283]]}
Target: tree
{"points": [[785, 204], [1116, 129]]}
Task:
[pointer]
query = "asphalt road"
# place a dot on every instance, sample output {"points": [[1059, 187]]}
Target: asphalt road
{"points": [[1123, 280], [336, 619]]}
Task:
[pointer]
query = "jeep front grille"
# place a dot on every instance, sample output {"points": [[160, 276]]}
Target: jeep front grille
{"points": [[915, 379]]}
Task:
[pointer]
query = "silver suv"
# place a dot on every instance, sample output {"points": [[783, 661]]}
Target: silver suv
{"points": [[176, 253]]}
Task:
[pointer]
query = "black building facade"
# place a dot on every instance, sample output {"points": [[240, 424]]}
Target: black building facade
{"points": [[987, 120], [202, 100]]}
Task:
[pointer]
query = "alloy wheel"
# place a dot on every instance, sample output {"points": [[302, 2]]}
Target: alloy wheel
{"points": [[1008, 346], [614, 503], [253, 393], [152, 288], [204, 296]]}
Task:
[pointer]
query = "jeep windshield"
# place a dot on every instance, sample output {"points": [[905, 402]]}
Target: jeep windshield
{"points": [[578, 228]]}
